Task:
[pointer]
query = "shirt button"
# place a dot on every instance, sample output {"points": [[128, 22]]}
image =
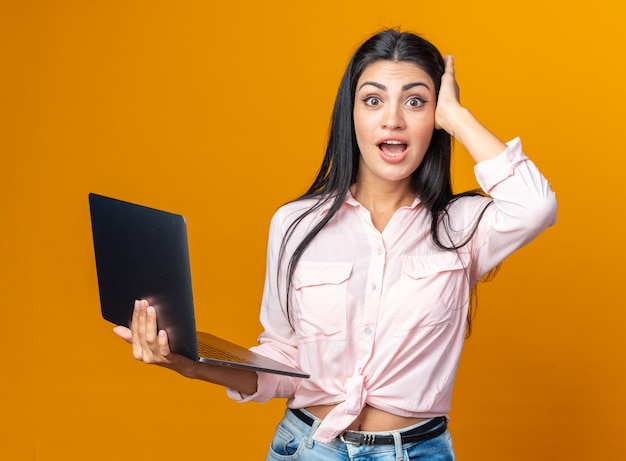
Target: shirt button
{"points": [[368, 331], [373, 286], [379, 251]]}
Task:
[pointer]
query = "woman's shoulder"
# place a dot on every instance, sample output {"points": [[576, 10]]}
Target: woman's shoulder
{"points": [[301, 209], [298, 207]]}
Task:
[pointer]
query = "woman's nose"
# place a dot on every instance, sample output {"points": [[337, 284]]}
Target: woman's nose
{"points": [[393, 118]]}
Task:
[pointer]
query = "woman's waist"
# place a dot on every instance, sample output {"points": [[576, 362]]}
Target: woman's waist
{"points": [[396, 403], [371, 419]]}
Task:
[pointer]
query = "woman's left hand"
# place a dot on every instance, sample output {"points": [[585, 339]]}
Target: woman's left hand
{"points": [[448, 102], [459, 123]]}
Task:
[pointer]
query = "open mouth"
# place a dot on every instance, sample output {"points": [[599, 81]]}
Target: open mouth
{"points": [[392, 147]]}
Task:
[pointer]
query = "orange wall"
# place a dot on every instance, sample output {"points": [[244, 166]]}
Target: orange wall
{"points": [[219, 110]]}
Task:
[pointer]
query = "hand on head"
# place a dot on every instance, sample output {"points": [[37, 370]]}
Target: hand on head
{"points": [[449, 99]]}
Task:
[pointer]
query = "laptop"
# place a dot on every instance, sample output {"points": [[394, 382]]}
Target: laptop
{"points": [[142, 253]]}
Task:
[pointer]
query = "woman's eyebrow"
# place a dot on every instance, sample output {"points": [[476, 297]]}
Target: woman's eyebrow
{"points": [[406, 87], [380, 86]]}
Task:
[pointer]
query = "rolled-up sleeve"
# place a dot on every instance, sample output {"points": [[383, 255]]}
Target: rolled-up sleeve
{"points": [[523, 205]]}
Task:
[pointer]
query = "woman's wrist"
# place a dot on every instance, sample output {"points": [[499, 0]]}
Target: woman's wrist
{"points": [[456, 119], [477, 140]]}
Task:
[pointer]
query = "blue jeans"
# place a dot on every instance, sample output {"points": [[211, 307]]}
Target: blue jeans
{"points": [[292, 441]]}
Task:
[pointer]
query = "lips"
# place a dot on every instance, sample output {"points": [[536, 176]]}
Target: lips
{"points": [[393, 150]]}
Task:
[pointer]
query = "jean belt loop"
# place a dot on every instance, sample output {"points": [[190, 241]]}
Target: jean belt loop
{"points": [[397, 439], [314, 426]]}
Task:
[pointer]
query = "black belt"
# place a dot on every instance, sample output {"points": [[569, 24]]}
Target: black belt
{"points": [[426, 431]]}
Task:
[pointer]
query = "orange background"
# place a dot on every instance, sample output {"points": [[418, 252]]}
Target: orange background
{"points": [[219, 111]]}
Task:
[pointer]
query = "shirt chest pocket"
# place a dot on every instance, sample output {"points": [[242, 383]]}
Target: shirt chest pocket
{"points": [[319, 299], [431, 290]]}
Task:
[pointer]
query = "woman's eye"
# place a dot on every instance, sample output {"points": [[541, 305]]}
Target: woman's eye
{"points": [[416, 102], [372, 101]]}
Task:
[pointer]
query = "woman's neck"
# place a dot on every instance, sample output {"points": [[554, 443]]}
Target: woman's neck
{"points": [[382, 200]]}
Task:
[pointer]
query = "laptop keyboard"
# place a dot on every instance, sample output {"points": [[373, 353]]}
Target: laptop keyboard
{"points": [[208, 351]]}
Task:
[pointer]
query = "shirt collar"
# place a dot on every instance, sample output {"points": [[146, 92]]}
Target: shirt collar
{"points": [[351, 201]]}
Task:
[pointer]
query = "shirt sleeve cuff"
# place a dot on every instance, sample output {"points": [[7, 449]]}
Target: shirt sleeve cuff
{"points": [[490, 173], [267, 383]]}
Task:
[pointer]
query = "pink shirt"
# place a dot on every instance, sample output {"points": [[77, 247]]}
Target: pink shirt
{"points": [[380, 317]]}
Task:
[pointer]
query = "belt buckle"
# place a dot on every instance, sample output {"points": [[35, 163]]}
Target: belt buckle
{"points": [[348, 442], [366, 439]]}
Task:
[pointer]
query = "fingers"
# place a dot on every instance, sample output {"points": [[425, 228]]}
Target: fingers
{"points": [[164, 344], [123, 333], [148, 345], [449, 61], [448, 79], [448, 101], [150, 327], [138, 318]]}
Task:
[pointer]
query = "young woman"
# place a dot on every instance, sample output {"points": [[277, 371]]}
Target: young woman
{"points": [[369, 274]]}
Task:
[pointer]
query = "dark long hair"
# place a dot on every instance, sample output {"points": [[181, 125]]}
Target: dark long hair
{"points": [[432, 179]]}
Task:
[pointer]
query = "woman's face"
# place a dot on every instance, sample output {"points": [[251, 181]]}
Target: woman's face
{"points": [[394, 119]]}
